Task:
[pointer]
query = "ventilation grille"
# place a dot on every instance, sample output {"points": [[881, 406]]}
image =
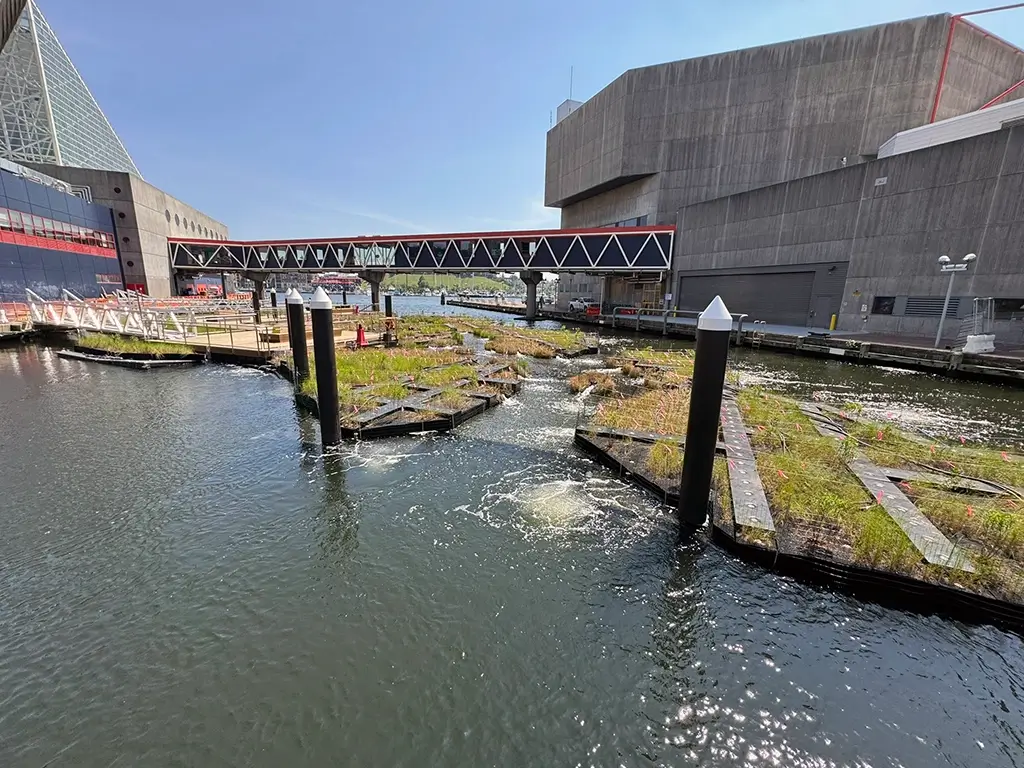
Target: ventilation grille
{"points": [[931, 306]]}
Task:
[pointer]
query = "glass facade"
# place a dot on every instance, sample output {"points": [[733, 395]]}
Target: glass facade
{"points": [[70, 243], [46, 109]]}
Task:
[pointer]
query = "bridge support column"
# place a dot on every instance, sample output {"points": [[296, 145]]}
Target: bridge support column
{"points": [[532, 279], [374, 278], [259, 280]]}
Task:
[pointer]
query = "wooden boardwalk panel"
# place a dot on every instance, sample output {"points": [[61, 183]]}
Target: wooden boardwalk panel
{"points": [[749, 503], [929, 540]]}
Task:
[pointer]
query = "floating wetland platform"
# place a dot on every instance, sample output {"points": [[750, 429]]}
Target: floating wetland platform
{"points": [[824, 494]]}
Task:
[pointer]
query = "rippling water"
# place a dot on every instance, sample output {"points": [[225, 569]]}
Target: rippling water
{"points": [[186, 580]]}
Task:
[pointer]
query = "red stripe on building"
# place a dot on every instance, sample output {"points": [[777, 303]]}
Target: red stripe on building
{"points": [[46, 243]]}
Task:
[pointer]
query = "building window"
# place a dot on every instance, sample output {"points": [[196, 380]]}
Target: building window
{"points": [[883, 305], [85, 240], [167, 215], [193, 226], [177, 221]]}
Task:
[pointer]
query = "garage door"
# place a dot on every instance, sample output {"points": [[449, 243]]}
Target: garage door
{"points": [[777, 297]]}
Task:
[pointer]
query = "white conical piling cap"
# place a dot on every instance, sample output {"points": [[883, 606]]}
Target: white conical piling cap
{"points": [[716, 317], [293, 297], [321, 300]]}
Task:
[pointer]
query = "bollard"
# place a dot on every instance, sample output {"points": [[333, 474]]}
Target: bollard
{"points": [[321, 311], [713, 331], [297, 335], [388, 309], [344, 296]]}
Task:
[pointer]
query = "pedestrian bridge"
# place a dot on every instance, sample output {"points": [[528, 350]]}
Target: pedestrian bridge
{"points": [[619, 249]]}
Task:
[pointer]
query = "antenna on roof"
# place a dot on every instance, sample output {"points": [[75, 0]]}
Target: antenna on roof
{"points": [[570, 81]]}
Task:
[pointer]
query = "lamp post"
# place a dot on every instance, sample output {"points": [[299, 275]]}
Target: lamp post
{"points": [[945, 265]]}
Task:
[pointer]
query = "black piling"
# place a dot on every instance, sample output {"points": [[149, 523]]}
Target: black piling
{"points": [[443, 298], [297, 334], [713, 331], [388, 310], [273, 298], [344, 296], [321, 311]]}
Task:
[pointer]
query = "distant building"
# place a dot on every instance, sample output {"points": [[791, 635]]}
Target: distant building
{"points": [[765, 160], [51, 123]]}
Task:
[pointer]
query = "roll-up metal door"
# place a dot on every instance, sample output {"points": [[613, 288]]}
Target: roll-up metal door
{"points": [[776, 297]]}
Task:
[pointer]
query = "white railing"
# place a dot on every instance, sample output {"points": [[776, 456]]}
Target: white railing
{"points": [[205, 324]]}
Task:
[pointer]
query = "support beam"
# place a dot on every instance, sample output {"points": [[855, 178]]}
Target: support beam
{"points": [[257, 292], [374, 278], [259, 279], [532, 279]]}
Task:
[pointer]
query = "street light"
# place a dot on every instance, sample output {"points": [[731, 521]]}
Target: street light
{"points": [[945, 265]]}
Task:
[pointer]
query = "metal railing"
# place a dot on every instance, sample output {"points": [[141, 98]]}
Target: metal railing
{"points": [[206, 324], [665, 314]]}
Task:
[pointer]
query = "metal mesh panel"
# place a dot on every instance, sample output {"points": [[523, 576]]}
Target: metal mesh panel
{"points": [[85, 137]]}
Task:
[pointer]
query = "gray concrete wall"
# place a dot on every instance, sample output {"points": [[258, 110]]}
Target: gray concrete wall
{"points": [[726, 123], [890, 218], [663, 137], [980, 67], [145, 217]]}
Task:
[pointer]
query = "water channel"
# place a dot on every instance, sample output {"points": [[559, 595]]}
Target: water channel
{"points": [[186, 580]]}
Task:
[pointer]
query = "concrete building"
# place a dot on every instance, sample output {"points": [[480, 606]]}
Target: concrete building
{"points": [[145, 217], [50, 122], [760, 157]]}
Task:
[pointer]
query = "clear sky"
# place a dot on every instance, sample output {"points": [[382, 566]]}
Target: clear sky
{"points": [[331, 117]]}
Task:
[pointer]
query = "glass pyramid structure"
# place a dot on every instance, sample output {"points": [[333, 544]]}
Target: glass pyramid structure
{"points": [[47, 114]]}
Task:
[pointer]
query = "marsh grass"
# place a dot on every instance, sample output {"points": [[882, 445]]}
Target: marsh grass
{"points": [[132, 345], [663, 412], [602, 383], [665, 459]]}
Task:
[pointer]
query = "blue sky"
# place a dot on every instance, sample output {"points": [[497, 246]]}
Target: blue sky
{"points": [[320, 118]]}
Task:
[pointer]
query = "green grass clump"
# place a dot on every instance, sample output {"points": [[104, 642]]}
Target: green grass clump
{"points": [[807, 481], [602, 383], [392, 391], [533, 342], [665, 459], [130, 344], [887, 446], [442, 376], [513, 345], [664, 412]]}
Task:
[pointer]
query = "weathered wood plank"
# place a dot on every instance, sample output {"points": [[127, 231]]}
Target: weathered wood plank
{"points": [[749, 503], [640, 437], [928, 539]]}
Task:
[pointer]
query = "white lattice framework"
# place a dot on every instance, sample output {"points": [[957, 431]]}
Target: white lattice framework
{"points": [[47, 112], [635, 249], [133, 316]]}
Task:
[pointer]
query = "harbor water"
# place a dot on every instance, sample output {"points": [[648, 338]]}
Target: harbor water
{"points": [[186, 580]]}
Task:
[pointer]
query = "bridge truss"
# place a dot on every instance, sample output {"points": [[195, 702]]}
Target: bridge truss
{"points": [[624, 249]]}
